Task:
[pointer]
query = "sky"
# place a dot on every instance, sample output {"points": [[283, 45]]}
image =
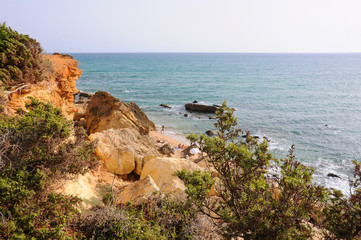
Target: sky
{"points": [[251, 26]]}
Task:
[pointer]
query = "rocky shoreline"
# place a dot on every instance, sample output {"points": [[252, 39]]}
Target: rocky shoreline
{"points": [[134, 158], [129, 146]]}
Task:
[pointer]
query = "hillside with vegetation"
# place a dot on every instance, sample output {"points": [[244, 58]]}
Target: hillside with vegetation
{"points": [[20, 58], [237, 189]]}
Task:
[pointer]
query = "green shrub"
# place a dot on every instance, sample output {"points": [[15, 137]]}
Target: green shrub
{"points": [[113, 223], [29, 210], [20, 58], [254, 203], [343, 214], [35, 149], [157, 218], [40, 134]]}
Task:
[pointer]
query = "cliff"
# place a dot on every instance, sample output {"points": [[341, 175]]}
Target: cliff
{"points": [[58, 86]]}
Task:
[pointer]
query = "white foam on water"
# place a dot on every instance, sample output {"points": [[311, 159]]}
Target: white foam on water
{"points": [[324, 166]]}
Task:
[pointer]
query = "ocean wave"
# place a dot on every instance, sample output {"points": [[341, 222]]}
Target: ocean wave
{"points": [[323, 167]]}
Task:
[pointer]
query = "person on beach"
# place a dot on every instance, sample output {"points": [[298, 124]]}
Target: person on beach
{"points": [[162, 130]]}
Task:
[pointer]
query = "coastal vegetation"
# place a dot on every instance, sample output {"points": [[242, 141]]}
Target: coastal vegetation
{"points": [[244, 191], [20, 58], [34, 152], [261, 197]]}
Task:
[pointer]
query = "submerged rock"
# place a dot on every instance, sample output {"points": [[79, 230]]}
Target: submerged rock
{"points": [[333, 175], [201, 108], [210, 133], [165, 105]]}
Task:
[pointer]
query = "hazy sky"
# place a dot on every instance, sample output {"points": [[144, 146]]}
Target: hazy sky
{"points": [[188, 25]]}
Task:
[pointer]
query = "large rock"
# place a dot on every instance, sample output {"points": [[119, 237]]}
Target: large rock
{"points": [[195, 107], [81, 106], [86, 187], [138, 192], [58, 87], [162, 170], [166, 149], [124, 150], [105, 112]]}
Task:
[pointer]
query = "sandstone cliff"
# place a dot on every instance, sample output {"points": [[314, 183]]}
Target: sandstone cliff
{"points": [[105, 112], [57, 87]]}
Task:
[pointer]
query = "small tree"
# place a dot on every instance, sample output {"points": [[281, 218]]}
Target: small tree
{"points": [[252, 202]]}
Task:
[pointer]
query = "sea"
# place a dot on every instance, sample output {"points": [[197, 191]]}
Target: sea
{"points": [[310, 100]]}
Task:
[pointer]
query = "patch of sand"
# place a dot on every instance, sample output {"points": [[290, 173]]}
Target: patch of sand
{"points": [[163, 138]]}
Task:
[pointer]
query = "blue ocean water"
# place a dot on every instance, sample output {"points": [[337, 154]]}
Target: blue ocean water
{"points": [[311, 100]]}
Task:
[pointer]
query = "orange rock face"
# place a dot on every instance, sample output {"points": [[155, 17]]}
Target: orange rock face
{"points": [[58, 88], [105, 111]]}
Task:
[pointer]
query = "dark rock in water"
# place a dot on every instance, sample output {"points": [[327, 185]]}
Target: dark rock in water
{"points": [[166, 149], [333, 175], [195, 101], [200, 108], [210, 133], [210, 117], [244, 136], [165, 105], [265, 138], [255, 137], [86, 95], [186, 114]]}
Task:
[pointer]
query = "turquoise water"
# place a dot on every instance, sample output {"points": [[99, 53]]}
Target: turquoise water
{"points": [[312, 100]]}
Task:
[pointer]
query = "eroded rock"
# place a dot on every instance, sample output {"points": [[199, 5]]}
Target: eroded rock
{"points": [[124, 150], [138, 192], [162, 170], [58, 87], [166, 149], [105, 112]]}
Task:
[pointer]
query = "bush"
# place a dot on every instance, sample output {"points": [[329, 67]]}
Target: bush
{"points": [[38, 139], [34, 148], [343, 214], [113, 223], [20, 58], [29, 210], [254, 202], [157, 218]]}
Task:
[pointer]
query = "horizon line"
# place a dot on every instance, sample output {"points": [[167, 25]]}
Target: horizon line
{"points": [[50, 52]]}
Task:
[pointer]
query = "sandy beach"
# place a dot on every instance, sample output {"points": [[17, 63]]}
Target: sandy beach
{"points": [[174, 141]]}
